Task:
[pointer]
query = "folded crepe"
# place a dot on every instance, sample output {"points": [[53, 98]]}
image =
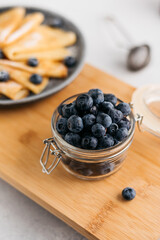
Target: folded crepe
{"points": [[29, 23], [40, 42], [55, 55], [9, 21], [44, 68], [23, 78], [13, 90]]}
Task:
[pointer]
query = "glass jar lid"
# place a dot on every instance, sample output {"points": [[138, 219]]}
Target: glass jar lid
{"points": [[146, 105]]}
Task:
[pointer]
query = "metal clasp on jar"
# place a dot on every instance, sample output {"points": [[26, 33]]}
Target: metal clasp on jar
{"points": [[50, 142], [138, 118]]}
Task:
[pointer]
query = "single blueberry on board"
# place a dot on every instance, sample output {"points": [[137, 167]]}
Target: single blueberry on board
{"points": [[124, 108], [110, 98], [73, 139], [97, 95], [88, 120], [105, 141], [69, 110], [104, 119], [106, 106], [36, 79], [116, 115], [98, 130], [121, 134], [89, 142], [61, 126], [124, 123], [33, 62], [70, 61], [128, 193], [75, 124], [112, 129], [4, 76], [84, 102]]}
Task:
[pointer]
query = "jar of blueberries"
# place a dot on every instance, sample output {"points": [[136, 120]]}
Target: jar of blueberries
{"points": [[91, 135], [92, 131]]}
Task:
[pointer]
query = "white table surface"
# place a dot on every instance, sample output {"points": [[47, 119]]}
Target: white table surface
{"points": [[21, 218]]}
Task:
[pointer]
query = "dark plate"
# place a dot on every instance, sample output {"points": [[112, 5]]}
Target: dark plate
{"points": [[78, 50]]}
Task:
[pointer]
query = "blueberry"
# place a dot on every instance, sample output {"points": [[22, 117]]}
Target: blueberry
{"points": [[128, 193], [110, 98], [70, 61], [106, 168], [61, 125], [121, 134], [115, 141], [76, 166], [105, 141], [89, 142], [116, 115], [60, 108], [88, 120], [56, 23], [73, 139], [84, 102], [124, 123], [35, 78], [106, 106], [86, 172], [86, 132], [33, 62], [66, 160], [94, 110], [75, 124], [4, 76], [69, 110], [112, 129], [97, 96], [1, 54], [104, 119], [98, 130], [124, 108]]}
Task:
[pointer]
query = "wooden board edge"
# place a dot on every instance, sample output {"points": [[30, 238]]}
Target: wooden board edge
{"points": [[47, 207]]}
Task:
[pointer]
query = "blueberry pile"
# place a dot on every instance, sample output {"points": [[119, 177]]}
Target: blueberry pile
{"points": [[94, 120], [89, 169]]}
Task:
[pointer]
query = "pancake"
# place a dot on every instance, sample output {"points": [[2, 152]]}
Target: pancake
{"points": [[29, 23], [23, 78], [44, 68], [42, 40], [9, 21], [13, 90]]}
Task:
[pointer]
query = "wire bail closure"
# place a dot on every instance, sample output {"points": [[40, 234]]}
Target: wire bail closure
{"points": [[138, 118], [50, 142]]}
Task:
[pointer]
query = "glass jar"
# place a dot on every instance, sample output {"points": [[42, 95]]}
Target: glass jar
{"points": [[82, 163]]}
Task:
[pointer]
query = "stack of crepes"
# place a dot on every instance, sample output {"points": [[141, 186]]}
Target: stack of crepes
{"points": [[22, 37]]}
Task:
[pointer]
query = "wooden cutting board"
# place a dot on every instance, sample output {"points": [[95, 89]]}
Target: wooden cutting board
{"points": [[94, 208]]}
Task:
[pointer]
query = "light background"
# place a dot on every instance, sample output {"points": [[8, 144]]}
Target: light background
{"points": [[22, 219]]}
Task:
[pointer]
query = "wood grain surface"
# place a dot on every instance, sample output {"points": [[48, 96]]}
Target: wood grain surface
{"points": [[94, 208]]}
